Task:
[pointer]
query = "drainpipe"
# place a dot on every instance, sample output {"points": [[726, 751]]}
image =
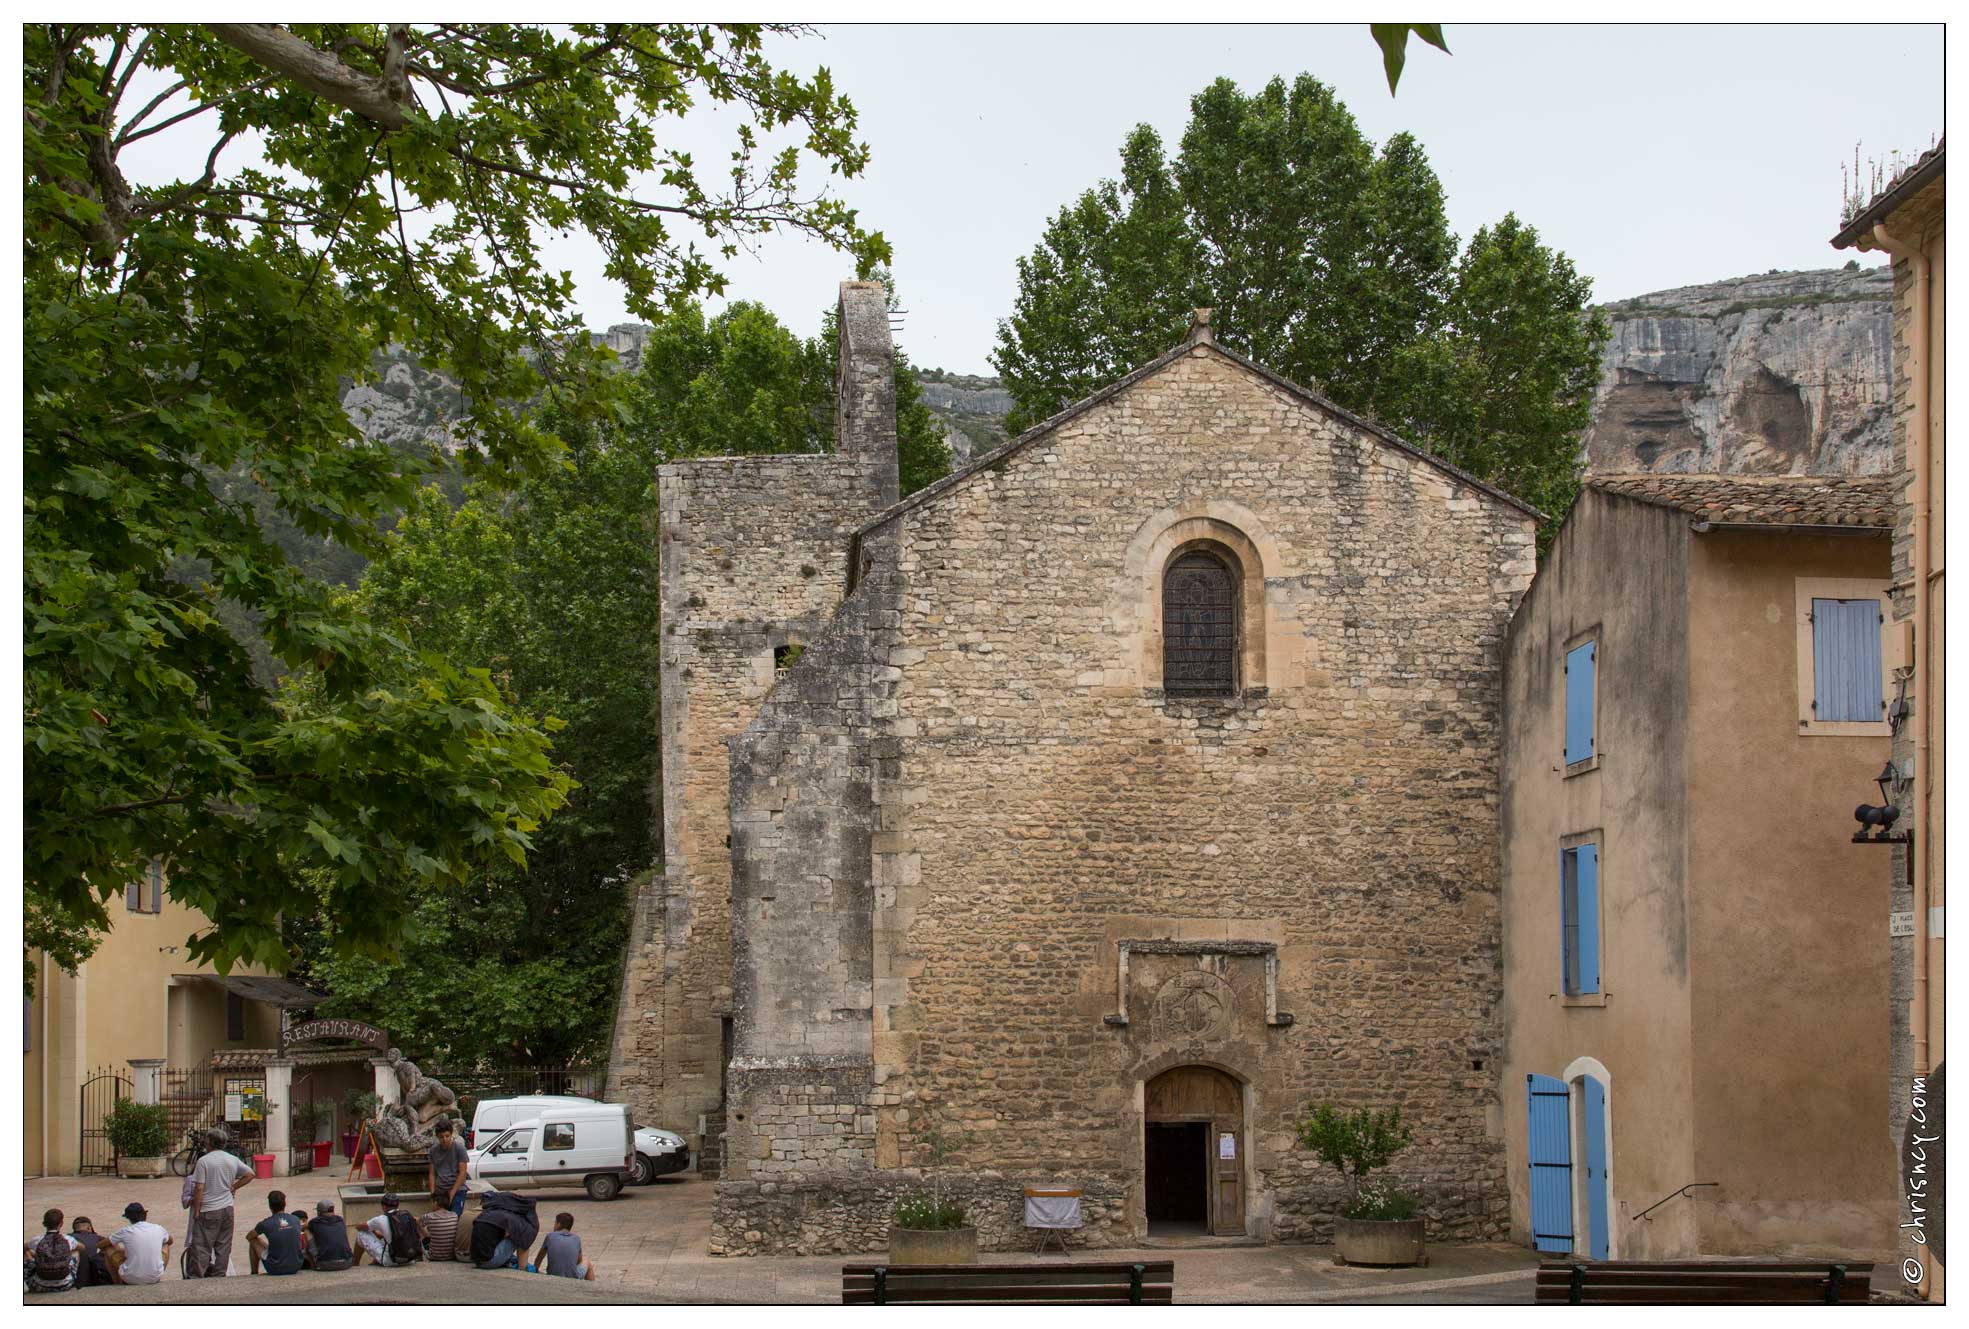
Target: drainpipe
{"points": [[1919, 442]]}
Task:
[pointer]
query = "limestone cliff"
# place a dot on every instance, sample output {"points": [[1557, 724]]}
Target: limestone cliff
{"points": [[1781, 374]]}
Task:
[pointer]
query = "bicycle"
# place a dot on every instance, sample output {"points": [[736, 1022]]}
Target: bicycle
{"points": [[195, 1148]]}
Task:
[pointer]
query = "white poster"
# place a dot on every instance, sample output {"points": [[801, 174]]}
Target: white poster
{"points": [[1227, 1145], [235, 1106]]}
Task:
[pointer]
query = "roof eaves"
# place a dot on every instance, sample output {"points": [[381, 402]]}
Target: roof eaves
{"points": [[1928, 169]]}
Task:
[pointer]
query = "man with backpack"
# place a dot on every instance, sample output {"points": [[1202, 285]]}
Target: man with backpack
{"points": [[392, 1237], [52, 1260]]}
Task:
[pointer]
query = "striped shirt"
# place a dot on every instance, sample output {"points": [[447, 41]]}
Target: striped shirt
{"points": [[441, 1226]]}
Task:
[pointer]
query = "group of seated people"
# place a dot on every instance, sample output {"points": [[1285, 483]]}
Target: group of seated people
{"points": [[137, 1252], [283, 1243], [287, 1242]]}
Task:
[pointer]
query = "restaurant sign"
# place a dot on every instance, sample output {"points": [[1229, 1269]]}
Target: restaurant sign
{"points": [[337, 1031]]}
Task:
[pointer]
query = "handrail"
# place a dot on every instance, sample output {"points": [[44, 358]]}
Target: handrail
{"points": [[1673, 1195]]}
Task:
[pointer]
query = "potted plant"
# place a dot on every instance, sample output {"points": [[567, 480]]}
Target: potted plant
{"points": [[930, 1229], [140, 1133], [1377, 1224], [358, 1106], [308, 1119]]}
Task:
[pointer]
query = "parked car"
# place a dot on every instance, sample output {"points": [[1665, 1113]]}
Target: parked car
{"points": [[591, 1145], [658, 1152]]}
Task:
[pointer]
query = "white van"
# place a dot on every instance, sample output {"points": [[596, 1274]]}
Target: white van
{"points": [[591, 1145], [658, 1153]]}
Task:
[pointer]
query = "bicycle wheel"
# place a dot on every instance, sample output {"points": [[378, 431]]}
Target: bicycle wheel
{"points": [[181, 1162]]}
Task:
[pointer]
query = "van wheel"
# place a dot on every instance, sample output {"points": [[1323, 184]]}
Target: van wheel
{"points": [[641, 1171], [603, 1186]]}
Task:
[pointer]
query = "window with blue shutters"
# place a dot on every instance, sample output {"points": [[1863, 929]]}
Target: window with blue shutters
{"points": [[1846, 662], [1581, 663], [1579, 918]]}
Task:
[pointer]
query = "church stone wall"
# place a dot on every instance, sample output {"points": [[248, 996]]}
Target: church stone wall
{"points": [[1313, 862]]}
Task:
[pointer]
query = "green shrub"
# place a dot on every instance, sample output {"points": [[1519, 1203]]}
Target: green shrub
{"points": [[926, 1213], [138, 1130], [1356, 1143], [361, 1104]]}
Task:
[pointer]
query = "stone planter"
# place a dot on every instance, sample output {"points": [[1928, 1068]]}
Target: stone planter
{"points": [[948, 1246], [1373, 1241], [140, 1167]]}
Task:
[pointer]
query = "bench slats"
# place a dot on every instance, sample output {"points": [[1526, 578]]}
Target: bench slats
{"points": [[1053, 1284], [1153, 1270], [1617, 1282]]}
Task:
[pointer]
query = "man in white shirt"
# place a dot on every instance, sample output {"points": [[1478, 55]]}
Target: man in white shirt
{"points": [[373, 1238], [215, 1178], [140, 1250]]}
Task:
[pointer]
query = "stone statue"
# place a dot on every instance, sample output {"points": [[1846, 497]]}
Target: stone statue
{"points": [[411, 1123]]}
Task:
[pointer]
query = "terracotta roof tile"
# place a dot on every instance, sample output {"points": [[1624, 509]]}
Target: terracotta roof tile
{"points": [[1772, 500]]}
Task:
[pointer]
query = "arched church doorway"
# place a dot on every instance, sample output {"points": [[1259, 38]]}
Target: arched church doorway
{"points": [[1193, 1143]]}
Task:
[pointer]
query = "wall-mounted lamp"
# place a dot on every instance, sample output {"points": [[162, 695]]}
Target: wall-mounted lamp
{"points": [[1880, 818]]}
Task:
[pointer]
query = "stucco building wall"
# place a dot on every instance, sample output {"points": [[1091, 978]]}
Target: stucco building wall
{"points": [[1790, 1028], [1631, 801]]}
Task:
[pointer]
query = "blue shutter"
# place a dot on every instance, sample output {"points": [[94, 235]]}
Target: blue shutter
{"points": [[1846, 661], [1548, 1139], [1569, 920], [1593, 1124], [1586, 873], [1579, 703]]}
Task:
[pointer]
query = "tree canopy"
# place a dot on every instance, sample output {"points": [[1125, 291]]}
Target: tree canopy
{"points": [[1327, 260], [186, 343]]}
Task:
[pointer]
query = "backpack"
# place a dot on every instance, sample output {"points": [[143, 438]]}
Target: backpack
{"points": [[405, 1244], [51, 1258]]}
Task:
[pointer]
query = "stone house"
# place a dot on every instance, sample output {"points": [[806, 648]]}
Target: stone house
{"points": [[1697, 693], [1908, 221], [1090, 811]]}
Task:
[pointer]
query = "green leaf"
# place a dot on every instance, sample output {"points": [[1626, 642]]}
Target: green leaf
{"points": [[1393, 40]]}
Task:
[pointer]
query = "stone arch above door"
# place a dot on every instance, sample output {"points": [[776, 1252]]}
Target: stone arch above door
{"points": [[1196, 1094]]}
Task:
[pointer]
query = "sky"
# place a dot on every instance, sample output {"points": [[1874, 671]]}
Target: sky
{"points": [[1653, 156]]}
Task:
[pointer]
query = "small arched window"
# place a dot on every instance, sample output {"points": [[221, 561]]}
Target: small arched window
{"points": [[1200, 625]]}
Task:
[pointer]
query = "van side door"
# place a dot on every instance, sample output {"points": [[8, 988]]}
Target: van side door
{"points": [[507, 1162], [555, 1162]]}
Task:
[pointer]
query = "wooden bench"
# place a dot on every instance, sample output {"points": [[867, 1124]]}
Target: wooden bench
{"points": [[1699, 1282], [1135, 1283]]}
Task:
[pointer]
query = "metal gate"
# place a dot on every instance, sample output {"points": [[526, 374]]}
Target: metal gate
{"points": [[100, 1094]]}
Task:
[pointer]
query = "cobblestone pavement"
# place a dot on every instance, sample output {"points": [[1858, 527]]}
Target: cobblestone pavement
{"points": [[649, 1246]]}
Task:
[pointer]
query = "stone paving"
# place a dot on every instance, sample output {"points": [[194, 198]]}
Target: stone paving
{"points": [[650, 1246]]}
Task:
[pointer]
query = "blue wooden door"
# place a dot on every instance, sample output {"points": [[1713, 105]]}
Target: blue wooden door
{"points": [[1548, 1135], [1593, 1125]]}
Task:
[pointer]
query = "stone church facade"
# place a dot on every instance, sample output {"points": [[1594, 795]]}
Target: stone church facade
{"points": [[1132, 787]]}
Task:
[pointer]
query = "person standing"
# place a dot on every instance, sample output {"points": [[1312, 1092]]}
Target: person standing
{"points": [[448, 1165], [215, 1178], [140, 1249]]}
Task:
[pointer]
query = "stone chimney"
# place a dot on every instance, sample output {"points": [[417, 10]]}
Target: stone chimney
{"points": [[865, 391]]}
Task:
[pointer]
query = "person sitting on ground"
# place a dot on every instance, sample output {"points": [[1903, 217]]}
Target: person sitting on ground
{"points": [[51, 1258], [505, 1227], [560, 1252], [92, 1266], [275, 1245], [441, 1233], [328, 1240], [140, 1249], [447, 1169], [392, 1237]]}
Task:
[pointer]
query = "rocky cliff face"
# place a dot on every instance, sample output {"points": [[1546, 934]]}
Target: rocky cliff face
{"points": [[1783, 374]]}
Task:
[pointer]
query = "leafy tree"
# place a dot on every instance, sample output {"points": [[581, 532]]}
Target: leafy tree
{"points": [[180, 331], [1327, 260], [1355, 1143], [741, 383]]}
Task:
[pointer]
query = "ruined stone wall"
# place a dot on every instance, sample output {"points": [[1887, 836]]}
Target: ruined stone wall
{"points": [[752, 558], [1036, 800], [753, 561]]}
